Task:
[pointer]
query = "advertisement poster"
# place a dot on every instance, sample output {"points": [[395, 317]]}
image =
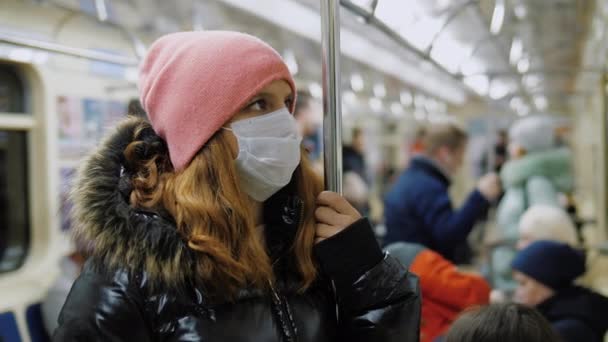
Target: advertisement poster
{"points": [[66, 178], [69, 122], [70, 118], [93, 121], [115, 111]]}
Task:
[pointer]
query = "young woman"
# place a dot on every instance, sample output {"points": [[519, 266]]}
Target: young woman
{"points": [[207, 223]]}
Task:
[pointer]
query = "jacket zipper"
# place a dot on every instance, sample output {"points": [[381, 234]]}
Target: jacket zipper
{"points": [[288, 327], [280, 303]]}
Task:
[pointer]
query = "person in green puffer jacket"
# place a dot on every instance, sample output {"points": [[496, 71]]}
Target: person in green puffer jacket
{"points": [[536, 173]]}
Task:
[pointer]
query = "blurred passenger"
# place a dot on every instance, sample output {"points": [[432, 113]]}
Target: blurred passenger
{"points": [[545, 272], [418, 207], [309, 119], [209, 223], [417, 145], [539, 222], [535, 174], [356, 183], [502, 323], [70, 268], [500, 152], [545, 222], [389, 176], [446, 291]]}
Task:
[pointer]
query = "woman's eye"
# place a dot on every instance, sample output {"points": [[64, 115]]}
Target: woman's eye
{"points": [[289, 103], [259, 105]]}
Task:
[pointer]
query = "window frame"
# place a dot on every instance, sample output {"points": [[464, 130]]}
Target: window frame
{"points": [[25, 122]]}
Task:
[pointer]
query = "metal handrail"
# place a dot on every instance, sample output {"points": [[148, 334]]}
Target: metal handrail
{"points": [[67, 50], [332, 111]]}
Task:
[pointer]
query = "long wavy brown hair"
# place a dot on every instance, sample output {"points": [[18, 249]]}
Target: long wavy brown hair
{"points": [[214, 215]]}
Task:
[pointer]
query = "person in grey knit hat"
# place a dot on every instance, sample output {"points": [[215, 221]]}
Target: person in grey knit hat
{"points": [[536, 174]]}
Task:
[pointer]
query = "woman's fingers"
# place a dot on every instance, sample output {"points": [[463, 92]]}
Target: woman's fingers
{"points": [[337, 202], [331, 217], [324, 231]]}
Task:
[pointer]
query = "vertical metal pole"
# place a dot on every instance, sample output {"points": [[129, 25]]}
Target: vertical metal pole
{"points": [[332, 111], [603, 207]]}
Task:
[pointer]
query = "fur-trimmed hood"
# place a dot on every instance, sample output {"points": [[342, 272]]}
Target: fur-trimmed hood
{"points": [[115, 234], [120, 236]]}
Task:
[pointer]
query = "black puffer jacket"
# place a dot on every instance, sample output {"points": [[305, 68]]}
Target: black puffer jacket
{"points": [[577, 314], [139, 284]]}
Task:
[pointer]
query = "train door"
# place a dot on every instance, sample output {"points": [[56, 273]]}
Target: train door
{"points": [[19, 309]]}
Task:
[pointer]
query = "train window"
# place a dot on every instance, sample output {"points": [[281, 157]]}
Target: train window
{"points": [[12, 96], [14, 212]]}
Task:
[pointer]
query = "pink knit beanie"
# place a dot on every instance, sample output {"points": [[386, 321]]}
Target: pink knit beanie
{"points": [[192, 83]]}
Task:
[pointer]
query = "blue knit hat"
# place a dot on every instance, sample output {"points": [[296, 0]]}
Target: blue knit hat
{"points": [[553, 264]]}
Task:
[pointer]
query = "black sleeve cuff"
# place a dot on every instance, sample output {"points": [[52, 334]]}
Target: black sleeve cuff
{"points": [[347, 255]]}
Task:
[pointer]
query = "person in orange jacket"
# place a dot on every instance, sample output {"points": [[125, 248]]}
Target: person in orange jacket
{"points": [[446, 291]]}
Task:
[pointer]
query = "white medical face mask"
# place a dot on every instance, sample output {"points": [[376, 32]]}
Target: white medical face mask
{"points": [[269, 152]]}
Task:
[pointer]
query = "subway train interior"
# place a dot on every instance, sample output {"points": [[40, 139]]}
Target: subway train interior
{"points": [[69, 74]]}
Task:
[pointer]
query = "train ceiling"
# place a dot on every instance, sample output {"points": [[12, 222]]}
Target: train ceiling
{"points": [[519, 55]]}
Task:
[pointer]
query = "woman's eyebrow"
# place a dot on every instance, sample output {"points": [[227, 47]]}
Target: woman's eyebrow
{"points": [[265, 94]]}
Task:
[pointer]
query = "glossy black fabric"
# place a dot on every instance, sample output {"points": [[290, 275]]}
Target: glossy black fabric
{"points": [[381, 305], [139, 284]]}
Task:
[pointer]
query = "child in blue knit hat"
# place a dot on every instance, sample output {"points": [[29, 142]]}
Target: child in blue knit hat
{"points": [[545, 272]]}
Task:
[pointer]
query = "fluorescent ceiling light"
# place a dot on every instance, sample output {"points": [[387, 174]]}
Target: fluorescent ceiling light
{"points": [[500, 88], [349, 97], [523, 110], [356, 82], [473, 65], [422, 33], [479, 83], [362, 3], [516, 102], [532, 81], [419, 115], [406, 98], [290, 59], [379, 90], [437, 118], [517, 50], [376, 104], [430, 105], [541, 102], [419, 101], [449, 52], [397, 108], [315, 90], [519, 106], [498, 17], [520, 11], [442, 107], [523, 65], [399, 14], [306, 22], [101, 9]]}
